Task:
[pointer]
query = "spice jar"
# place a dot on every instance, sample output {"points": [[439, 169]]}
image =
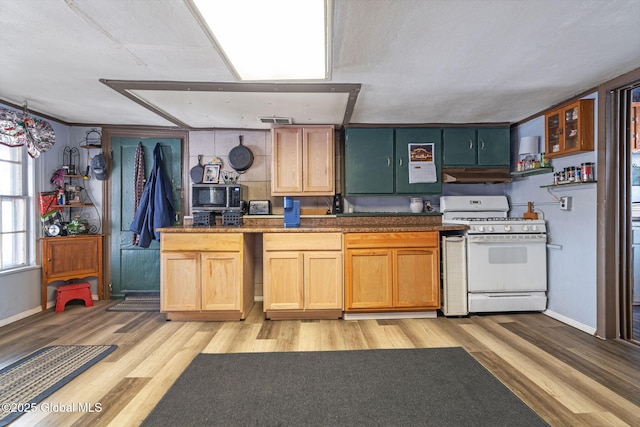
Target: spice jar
{"points": [[569, 173], [543, 161], [587, 172]]}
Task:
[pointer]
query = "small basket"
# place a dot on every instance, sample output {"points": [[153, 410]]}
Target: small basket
{"points": [[204, 219], [231, 218]]}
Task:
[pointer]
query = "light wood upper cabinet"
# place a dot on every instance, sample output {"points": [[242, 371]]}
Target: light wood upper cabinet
{"points": [[303, 161]]}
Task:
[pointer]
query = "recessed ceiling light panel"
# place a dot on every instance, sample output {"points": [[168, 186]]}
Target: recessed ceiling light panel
{"points": [[270, 39]]}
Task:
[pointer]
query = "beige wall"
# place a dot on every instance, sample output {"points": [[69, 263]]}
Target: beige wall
{"points": [[218, 143]]}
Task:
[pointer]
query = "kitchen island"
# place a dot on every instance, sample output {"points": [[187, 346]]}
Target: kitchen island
{"points": [[322, 269]]}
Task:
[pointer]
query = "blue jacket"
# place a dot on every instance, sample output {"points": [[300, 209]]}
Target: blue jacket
{"points": [[156, 204]]}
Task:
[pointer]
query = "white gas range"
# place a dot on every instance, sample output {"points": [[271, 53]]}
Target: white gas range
{"points": [[499, 264]]}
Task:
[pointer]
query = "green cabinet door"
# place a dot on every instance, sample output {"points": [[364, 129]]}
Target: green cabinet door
{"points": [[368, 158], [494, 147], [406, 136], [476, 147], [459, 147]]}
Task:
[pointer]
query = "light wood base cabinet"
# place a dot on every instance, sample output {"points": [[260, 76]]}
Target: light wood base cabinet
{"points": [[392, 271], [303, 275], [206, 276]]}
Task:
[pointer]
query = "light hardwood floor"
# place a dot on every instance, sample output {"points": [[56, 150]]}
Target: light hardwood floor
{"points": [[568, 377]]}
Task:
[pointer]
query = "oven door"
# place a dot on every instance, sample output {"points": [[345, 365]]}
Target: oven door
{"points": [[507, 263]]}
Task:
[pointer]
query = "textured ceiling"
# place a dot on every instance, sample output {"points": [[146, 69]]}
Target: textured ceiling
{"points": [[417, 61]]}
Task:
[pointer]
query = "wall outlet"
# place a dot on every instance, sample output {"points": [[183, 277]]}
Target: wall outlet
{"points": [[565, 203]]}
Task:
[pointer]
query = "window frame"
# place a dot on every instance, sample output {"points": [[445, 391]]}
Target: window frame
{"points": [[27, 183]]}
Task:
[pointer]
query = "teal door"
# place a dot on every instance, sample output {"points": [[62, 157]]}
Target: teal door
{"points": [[459, 147], [405, 136], [135, 269], [369, 165], [494, 147]]}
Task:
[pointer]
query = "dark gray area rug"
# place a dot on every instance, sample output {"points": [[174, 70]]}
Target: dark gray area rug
{"points": [[404, 387], [138, 302], [31, 379]]}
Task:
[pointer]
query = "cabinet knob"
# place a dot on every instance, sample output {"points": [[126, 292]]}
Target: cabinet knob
{"points": [[470, 144], [388, 161], [400, 161]]}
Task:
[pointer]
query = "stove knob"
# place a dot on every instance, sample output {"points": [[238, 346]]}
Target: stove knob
{"points": [[525, 228], [534, 228], [481, 228], [507, 228], [490, 228]]}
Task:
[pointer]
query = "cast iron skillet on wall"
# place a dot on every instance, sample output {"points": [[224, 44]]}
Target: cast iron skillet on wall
{"points": [[240, 158], [196, 172]]}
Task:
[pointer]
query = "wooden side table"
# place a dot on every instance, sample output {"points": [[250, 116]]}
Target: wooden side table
{"points": [[71, 257]]}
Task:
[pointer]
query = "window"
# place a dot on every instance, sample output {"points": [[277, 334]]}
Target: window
{"points": [[14, 207]]}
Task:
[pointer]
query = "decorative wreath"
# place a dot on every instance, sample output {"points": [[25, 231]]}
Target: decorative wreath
{"points": [[16, 131]]}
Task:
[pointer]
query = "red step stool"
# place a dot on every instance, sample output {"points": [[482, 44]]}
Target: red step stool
{"points": [[73, 291]]}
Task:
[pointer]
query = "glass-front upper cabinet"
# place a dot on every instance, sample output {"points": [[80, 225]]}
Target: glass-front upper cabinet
{"points": [[569, 129]]}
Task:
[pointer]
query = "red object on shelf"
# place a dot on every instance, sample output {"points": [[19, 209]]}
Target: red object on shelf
{"points": [[48, 202], [73, 291]]}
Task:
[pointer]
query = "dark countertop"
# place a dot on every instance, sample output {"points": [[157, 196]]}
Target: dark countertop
{"points": [[328, 224], [386, 214], [318, 229]]}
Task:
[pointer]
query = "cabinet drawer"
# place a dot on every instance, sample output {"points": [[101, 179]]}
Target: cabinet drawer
{"points": [[302, 241], [210, 242], [391, 240]]}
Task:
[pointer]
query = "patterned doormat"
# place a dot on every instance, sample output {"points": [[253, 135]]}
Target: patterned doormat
{"points": [[31, 379], [140, 301]]}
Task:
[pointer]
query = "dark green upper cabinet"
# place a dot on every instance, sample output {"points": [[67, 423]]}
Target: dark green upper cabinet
{"points": [[376, 160], [494, 147], [476, 147], [460, 146], [406, 136], [368, 161]]}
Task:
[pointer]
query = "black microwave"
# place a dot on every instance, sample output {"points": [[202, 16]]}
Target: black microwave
{"points": [[216, 197]]}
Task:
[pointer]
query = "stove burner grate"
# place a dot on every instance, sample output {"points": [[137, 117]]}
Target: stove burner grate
{"points": [[495, 219]]}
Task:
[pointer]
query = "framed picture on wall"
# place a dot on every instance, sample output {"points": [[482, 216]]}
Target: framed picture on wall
{"points": [[211, 174]]}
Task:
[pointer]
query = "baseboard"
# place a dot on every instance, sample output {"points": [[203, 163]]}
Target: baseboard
{"points": [[564, 319], [20, 316], [392, 315]]}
